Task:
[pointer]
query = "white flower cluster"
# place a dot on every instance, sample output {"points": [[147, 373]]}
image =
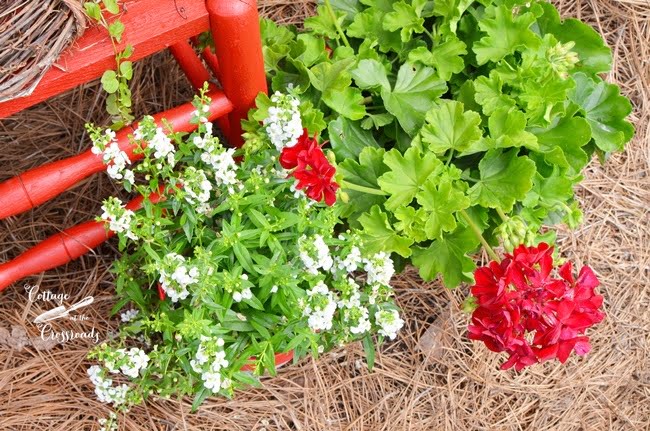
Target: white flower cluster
{"points": [[175, 276], [355, 314], [389, 323], [380, 268], [246, 293], [114, 157], [119, 218], [109, 424], [129, 362], [162, 146], [320, 307], [351, 261], [196, 185], [315, 255], [223, 163], [209, 360], [104, 389], [128, 315], [283, 125]]}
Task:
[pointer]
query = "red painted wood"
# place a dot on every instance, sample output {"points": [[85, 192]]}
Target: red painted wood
{"points": [[236, 33], [280, 360], [41, 184], [61, 248], [191, 64], [196, 73], [151, 26], [211, 60]]}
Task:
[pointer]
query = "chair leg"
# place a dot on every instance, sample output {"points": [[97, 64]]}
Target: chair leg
{"points": [[236, 32]]}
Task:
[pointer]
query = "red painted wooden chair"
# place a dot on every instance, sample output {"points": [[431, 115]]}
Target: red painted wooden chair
{"points": [[150, 26]]}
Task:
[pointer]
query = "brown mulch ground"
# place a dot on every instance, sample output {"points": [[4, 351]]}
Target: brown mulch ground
{"points": [[432, 377]]}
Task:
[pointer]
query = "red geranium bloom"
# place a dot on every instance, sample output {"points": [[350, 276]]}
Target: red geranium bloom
{"points": [[312, 169], [314, 174], [524, 311], [289, 155]]}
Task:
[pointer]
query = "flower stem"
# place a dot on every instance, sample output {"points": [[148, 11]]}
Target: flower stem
{"points": [[362, 189], [339, 30], [503, 216], [477, 232]]}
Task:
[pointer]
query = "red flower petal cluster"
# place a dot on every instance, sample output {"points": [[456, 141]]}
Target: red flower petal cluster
{"points": [[527, 312], [311, 168]]}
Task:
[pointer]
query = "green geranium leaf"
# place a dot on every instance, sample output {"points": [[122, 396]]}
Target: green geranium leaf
{"points": [[348, 103], [505, 34], [489, 93], [350, 7], [595, 56], [562, 143], [605, 111], [348, 139], [331, 76], [323, 22], [415, 92], [411, 222], [406, 19], [446, 57], [408, 173], [363, 173], [448, 257], [507, 129], [370, 74], [376, 120], [449, 126], [505, 178], [378, 235], [451, 11], [369, 24], [440, 201], [549, 192]]}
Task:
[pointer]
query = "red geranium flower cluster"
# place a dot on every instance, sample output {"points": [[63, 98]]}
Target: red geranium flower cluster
{"points": [[311, 168], [525, 311]]}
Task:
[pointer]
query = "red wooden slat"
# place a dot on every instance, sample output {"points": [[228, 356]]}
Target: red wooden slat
{"points": [[61, 248], [151, 26]]}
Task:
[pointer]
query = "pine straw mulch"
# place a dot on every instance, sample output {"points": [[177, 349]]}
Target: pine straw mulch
{"points": [[431, 378]]}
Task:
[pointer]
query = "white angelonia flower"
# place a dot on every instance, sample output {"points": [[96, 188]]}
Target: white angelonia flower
{"points": [[222, 162], [316, 255], [116, 159], [196, 185], [129, 176], [351, 261], [137, 359], [119, 218], [320, 307], [104, 389], [209, 361], [389, 323], [129, 315], [283, 124], [161, 144], [176, 276], [380, 268]]}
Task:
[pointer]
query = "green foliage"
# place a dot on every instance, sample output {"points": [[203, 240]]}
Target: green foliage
{"points": [[114, 82], [447, 116]]}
